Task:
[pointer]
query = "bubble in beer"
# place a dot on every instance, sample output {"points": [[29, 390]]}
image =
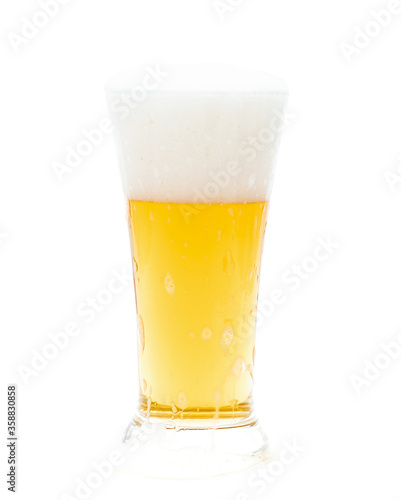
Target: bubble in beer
{"points": [[141, 331], [239, 367], [169, 284], [206, 333]]}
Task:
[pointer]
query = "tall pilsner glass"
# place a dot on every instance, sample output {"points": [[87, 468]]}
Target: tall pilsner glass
{"points": [[197, 147]]}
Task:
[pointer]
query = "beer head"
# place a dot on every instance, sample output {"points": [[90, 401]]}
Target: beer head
{"points": [[197, 134]]}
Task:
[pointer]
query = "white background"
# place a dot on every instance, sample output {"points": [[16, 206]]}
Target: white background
{"points": [[60, 241]]}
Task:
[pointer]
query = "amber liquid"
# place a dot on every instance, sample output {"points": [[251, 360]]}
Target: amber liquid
{"points": [[196, 272]]}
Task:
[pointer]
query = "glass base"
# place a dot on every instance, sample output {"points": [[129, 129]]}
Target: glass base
{"points": [[192, 449]]}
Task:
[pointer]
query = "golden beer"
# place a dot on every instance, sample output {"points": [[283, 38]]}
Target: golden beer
{"points": [[196, 270]]}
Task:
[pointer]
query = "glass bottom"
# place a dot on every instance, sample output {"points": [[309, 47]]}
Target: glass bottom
{"points": [[192, 448]]}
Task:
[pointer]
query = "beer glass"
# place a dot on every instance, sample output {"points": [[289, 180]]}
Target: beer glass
{"points": [[197, 147]]}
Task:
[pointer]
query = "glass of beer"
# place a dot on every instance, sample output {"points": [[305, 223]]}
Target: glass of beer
{"points": [[197, 147]]}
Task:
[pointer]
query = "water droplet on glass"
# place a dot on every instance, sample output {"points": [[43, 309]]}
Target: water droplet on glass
{"points": [[228, 262], [141, 331], [182, 400], [227, 335], [206, 333], [151, 216], [169, 284], [231, 212], [239, 367]]}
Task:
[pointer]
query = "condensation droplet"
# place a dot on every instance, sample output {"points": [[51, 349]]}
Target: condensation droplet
{"points": [[219, 235], [206, 333], [256, 223], [192, 335], [239, 367], [169, 284], [168, 221], [231, 212], [228, 262], [174, 408], [217, 401], [144, 385], [227, 335], [151, 216], [141, 331], [182, 400], [250, 275], [149, 406], [136, 267], [186, 245]]}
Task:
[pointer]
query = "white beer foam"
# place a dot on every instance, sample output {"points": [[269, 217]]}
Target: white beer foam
{"points": [[201, 134]]}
